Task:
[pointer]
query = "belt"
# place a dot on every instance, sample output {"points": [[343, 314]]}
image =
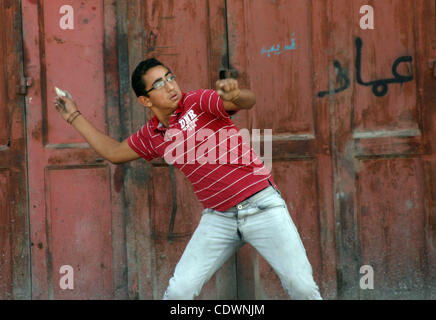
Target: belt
{"points": [[271, 185], [235, 211], [254, 198]]}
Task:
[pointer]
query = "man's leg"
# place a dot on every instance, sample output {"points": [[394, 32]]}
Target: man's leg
{"points": [[274, 235], [212, 243]]}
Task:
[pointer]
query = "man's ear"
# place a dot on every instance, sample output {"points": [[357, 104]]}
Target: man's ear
{"points": [[145, 101]]}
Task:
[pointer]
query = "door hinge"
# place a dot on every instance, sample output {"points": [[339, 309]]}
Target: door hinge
{"points": [[24, 84]]}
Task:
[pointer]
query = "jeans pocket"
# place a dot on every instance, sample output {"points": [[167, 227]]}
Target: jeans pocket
{"points": [[273, 201]]}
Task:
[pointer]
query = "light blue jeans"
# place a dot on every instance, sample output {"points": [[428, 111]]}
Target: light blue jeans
{"points": [[262, 221]]}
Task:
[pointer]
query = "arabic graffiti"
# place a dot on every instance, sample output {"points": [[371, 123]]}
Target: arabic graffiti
{"points": [[379, 87], [276, 50], [342, 75]]}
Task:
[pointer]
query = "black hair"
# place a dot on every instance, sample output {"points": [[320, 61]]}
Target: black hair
{"points": [[138, 81]]}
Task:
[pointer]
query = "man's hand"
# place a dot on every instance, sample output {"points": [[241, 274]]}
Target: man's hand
{"points": [[65, 106], [228, 89], [233, 97], [107, 147]]}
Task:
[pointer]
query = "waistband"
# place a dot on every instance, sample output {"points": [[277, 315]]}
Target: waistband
{"points": [[253, 199]]}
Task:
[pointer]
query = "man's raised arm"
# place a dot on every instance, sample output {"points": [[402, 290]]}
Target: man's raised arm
{"points": [[107, 147], [233, 97]]}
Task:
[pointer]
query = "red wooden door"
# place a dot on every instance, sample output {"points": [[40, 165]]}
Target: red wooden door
{"points": [[354, 158], [222, 37], [356, 165], [342, 152], [14, 232], [278, 49], [383, 133], [188, 36], [75, 198]]}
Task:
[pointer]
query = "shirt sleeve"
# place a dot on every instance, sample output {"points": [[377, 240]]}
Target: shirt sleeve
{"points": [[141, 143], [211, 102]]}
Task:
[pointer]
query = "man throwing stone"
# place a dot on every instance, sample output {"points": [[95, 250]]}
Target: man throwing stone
{"points": [[194, 132]]}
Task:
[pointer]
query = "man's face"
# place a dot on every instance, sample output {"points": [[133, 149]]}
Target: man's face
{"points": [[166, 97]]}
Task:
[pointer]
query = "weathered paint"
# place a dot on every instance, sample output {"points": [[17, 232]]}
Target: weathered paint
{"points": [[285, 84], [164, 211], [75, 200], [357, 169], [376, 175], [14, 224]]}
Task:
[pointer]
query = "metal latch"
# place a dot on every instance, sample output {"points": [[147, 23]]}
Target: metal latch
{"points": [[432, 65], [226, 73], [24, 84]]}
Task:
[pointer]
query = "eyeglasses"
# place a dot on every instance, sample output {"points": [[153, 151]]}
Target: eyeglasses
{"points": [[161, 83]]}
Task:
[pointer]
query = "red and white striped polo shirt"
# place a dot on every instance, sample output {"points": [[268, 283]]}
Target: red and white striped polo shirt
{"points": [[203, 142]]}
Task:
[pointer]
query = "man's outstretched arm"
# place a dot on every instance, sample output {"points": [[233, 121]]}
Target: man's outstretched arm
{"points": [[107, 147], [233, 97]]}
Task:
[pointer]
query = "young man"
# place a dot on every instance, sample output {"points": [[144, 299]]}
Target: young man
{"points": [[242, 203]]}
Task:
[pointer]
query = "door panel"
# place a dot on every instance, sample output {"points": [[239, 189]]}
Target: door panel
{"points": [[14, 230], [379, 173], [281, 68], [395, 114], [78, 226], [391, 229], [82, 48], [76, 199]]}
